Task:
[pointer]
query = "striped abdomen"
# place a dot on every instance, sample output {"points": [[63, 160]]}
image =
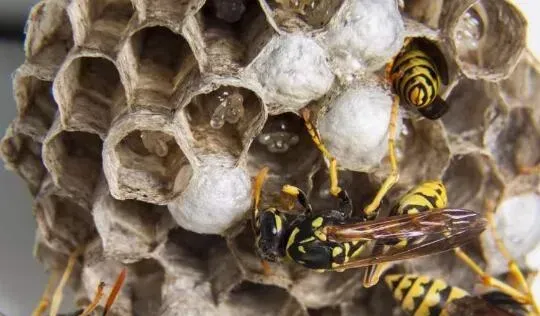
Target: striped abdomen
{"points": [[422, 295], [416, 78], [426, 196]]}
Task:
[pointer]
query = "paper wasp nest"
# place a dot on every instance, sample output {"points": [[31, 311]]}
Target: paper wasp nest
{"points": [[128, 108]]}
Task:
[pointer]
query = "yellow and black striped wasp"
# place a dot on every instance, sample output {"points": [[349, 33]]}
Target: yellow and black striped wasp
{"points": [[52, 301], [417, 74], [335, 240], [422, 296]]}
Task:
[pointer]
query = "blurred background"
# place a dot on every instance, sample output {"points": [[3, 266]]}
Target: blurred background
{"points": [[22, 279]]}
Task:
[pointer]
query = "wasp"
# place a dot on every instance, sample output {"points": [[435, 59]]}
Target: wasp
{"points": [[53, 302], [417, 74], [422, 295], [335, 240]]}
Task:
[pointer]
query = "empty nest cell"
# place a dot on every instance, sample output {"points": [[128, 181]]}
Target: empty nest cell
{"points": [[489, 37], [285, 146], [74, 161], [306, 15], [100, 24], [90, 94], [234, 33], [146, 288], [130, 230], [514, 142], [23, 154], [521, 88], [219, 121], [36, 105], [473, 105], [159, 62], [48, 36], [64, 224]]}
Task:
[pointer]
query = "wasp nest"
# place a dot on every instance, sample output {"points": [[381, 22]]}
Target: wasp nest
{"points": [[141, 122]]}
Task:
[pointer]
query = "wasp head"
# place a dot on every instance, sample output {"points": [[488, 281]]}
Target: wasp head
{"points": [[271, 237]]}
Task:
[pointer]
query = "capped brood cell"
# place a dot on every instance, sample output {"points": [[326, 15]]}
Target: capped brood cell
{"points": [[74, 161], [64, 224], [154, 62], [143, 159], [300, 15], [99, 24], [231, 42], [49, 37], [89, 92], [35, 103], [221, 120]]}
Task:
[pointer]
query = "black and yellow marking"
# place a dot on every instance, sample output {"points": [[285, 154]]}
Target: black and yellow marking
{"points": [[421, 295], [417, 74]]}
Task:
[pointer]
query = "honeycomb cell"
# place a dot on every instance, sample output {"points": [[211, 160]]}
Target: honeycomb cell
{"points": [[521, 88], [98, 268], [48, 36], [23, 155], [63, 223], [229, 46], [35, 104], [285, 146], [166, 11], [424, 11], [325, 311], [304, 15], [130, 230], [471, 180], [142, 159], [89, 93], [424, 141], [473, 107], [250, 298], [155, 62], [74, 161], [146, 287], [99, 24], [514, 141], [488, 36], [219, 121]]}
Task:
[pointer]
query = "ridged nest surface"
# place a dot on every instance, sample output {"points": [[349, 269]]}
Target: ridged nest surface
{"points": [[140, 124]]}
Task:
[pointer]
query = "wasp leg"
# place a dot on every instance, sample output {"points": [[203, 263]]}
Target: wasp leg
{"points": [[334, 187], [392, 179], [299, 195], [58, 293], [99, 294], [257, 189], [45, 299]]}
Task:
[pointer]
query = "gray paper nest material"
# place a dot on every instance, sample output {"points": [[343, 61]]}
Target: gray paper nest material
{"points": [[113, 137]]}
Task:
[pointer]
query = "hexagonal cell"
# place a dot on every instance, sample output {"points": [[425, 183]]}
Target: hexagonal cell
{"points": [[251, 298], [166, 10], [63, 223], [99, 24], [285, 146], [514, 141], [142, 159], [477, 29], [219, 121], [130, 230], [35, 104], [23, 155], [424, 141], [74, 161], [89, 93], [521, 88], [146, 288], [472, 179], [232, 39], [472, 109], [424, 11], [48, 36], [304, 15]]}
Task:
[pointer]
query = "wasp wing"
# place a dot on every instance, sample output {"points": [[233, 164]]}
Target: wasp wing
{"points": [[434, 232]]}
